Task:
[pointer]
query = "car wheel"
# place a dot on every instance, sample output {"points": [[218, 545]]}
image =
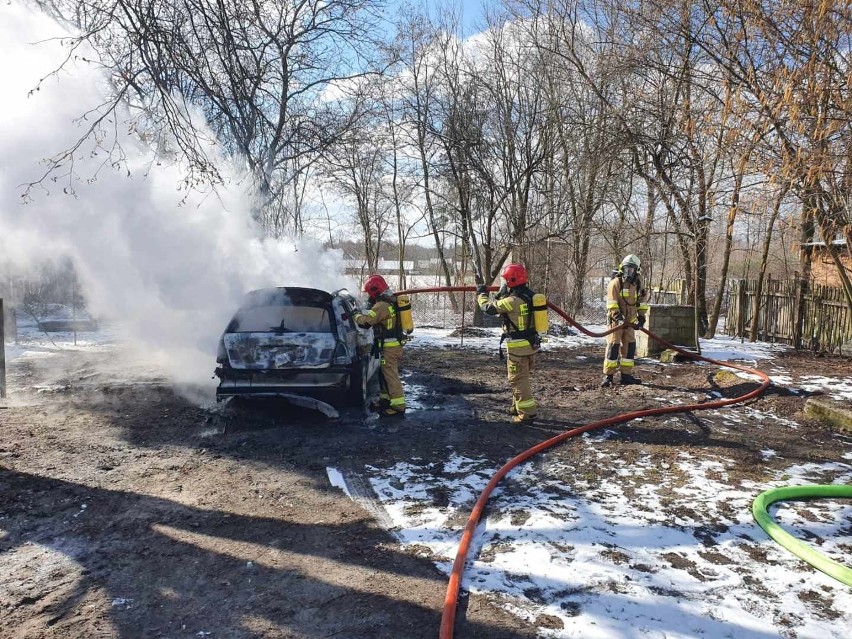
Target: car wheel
{"points": [[358, 384]]}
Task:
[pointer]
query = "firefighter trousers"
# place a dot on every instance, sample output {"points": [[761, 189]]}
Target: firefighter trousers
{"points": [[620, 351], [520, 367], [392, 387]]}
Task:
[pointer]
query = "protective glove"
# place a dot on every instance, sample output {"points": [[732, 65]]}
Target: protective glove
{"points": [[504, 291], [615, 317], [640, 321], [482, 289]]}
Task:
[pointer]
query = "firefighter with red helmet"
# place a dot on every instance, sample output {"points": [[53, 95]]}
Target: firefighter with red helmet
{"points": [[626, 303], [514, 305], [383, 315]]}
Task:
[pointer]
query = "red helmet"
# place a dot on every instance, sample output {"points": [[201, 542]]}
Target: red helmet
{"points": [[515, 275], [375, 285]]}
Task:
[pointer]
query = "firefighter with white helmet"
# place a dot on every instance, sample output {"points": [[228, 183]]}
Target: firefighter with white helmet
{"points": [[626, 303], [524, 315], [383, 315]]}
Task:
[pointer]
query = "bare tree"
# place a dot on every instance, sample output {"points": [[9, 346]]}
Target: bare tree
{"points": [[268, 78], [791, 62], [587, 148], [418, 42], [513, 127], [666, 107], [401, 167], [764, 260], [356, 166], [740, 161]]}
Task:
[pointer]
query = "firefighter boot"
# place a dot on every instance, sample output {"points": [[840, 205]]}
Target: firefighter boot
{"points": [[607, 381], [379, 405], [627, 379]]}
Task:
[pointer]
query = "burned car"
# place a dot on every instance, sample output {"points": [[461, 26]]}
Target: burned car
{"points": [[297, 343]]}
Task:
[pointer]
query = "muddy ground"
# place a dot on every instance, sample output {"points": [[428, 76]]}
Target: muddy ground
{"points": [[128, 511]]}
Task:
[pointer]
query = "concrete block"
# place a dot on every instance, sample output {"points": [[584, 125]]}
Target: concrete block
{"points": [[725, 377], [669, 356], [831, 412], [672, 323]]}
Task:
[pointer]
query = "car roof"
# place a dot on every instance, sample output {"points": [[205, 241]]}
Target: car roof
{"points": [[286, 296]]}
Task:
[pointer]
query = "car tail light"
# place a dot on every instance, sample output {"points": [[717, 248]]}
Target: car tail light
{"points": [[221, 354], [340, 354]]}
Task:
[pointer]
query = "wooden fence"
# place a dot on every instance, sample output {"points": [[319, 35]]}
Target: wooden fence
{"points": [[826, 320], [674, 294]]}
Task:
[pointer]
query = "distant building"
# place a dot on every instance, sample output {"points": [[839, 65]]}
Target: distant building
{"points": [[823, 269], [359, 266]]}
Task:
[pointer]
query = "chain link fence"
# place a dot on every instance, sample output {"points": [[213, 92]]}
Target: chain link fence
{"points": [[453, 310]]}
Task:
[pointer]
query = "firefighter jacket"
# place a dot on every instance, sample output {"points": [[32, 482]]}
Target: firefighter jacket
{"points": [[629, 299], [382, 316], [516, 311]]}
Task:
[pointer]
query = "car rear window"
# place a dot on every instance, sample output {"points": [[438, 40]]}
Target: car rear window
{"points": [[286, 319]]}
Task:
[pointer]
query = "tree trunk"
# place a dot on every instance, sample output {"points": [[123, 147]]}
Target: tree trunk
{"points": [[581, 261], [701, 232], [827, 232], [729, 242], [806, 237], [685, 253], [726, 259], [764, 261], [650, 214], [430, 211]]}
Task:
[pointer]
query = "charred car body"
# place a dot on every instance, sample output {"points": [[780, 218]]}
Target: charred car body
{"points": [[292, 342]]}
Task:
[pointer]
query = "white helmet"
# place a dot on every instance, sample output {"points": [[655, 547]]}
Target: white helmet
{"points": [[632, 260]]}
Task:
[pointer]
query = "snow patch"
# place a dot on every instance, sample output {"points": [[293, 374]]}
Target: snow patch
{"points": [[674, 556], [335, 478]]}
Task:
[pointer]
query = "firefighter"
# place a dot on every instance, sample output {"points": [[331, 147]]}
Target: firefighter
{"points": [[626, 303], [383, 316], [514, 304]]}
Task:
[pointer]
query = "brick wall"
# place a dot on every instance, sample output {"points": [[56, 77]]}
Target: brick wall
{"points": [[823, 269]]}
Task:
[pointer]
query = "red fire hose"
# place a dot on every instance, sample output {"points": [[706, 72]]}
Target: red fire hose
{"points": [[451, 599]]}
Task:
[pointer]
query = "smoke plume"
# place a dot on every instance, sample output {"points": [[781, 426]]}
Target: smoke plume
{"points": [[169, 266]]}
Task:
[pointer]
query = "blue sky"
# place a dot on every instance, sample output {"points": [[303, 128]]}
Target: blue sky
{"points": [[472, 14], [472, 11]]}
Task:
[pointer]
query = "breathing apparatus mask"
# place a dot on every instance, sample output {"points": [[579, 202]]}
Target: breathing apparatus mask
{"points": [[629, 269]]}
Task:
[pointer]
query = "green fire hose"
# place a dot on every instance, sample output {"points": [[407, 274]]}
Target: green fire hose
{"points": [[799, 548]]}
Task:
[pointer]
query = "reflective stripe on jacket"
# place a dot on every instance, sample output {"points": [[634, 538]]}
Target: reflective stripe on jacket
{"points": [[382, 316], [630, 300], [519, 313]]}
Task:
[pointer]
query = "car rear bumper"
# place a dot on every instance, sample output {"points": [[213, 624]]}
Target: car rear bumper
{"points": [[241, 382]]}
